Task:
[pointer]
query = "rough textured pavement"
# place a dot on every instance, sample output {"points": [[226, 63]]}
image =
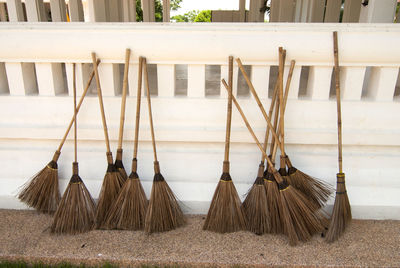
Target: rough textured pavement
{"points": [[24, 235]]}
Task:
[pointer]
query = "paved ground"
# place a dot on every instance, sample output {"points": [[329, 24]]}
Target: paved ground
{"points": [[24, 235]]}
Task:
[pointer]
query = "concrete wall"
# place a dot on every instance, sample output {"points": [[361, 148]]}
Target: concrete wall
{"points": [[36, 105]]}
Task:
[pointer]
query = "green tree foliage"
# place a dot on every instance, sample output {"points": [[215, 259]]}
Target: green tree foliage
{"points": [[194, 16], [175, 5]]}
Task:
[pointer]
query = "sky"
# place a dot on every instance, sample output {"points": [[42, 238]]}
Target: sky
{"points": [[188, 5]]}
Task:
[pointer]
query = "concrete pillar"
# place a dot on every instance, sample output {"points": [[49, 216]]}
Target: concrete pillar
{"points": [[76, 10], [242, 10], [97, 10], [351, 11], [332, 12], [15, 11], [166, 10], [35, 10], [58, 10], [378, 11]]}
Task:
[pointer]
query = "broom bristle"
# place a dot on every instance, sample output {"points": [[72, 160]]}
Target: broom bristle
{"points": [[300, 217], [225, 214], [76, 211], [273, 200], [112, 184], [128, 212], [255, 206], [42, 192], [315, 190], [341, 214], [163, 213]]}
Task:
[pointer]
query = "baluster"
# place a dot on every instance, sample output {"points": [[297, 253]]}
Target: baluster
{"points": [[58, 10], [196, 80], [319, 81], [351, 79], [4, 89], [21, 78], [382, 83], [166, 80]]}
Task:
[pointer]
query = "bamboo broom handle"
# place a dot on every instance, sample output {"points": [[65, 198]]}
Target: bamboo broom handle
{"points": [[281, 114], [123, 99], [276, 116], [146, 82], [339, 108], [75, 123], [285, 97], [271, 110], [77, 109], [138, 102], [253, 91], [99, 94], [270, 164], [229, 113]]}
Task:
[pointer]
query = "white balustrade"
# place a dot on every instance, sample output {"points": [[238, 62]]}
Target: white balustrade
{"points": [[190, 129]]}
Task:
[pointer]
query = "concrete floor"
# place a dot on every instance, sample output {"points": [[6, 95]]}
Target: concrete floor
{"points": [[24, 235]]}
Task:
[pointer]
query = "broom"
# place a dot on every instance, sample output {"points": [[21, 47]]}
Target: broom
{"points": [[225, 213], [300, 218], [113, 180], [75, 214], [118, 159], [257, 205], [341, 215], [163, 213], [42, 191], [128, 212], [314, 189]]}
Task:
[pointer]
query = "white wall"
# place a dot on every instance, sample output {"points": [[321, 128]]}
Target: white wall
{"points": [[190, 129]]}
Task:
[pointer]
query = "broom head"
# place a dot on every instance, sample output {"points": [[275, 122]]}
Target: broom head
{"points": [[112, 184], [128, 212], [341, 214], [119, 165], [42, 192], [314, 189], [163, 213], [255, 206], [225, 214], [273, 200], [76, 211], [300, 217]]}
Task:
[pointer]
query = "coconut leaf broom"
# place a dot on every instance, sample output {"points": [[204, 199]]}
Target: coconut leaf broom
{"points": [[341, 214], [113, 180], [300, 217], [225, 213], [118, 159], [128, 212], [75, 213], [42, 191], [163, 213]]}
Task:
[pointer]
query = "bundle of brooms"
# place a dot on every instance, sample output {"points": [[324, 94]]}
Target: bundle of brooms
{"points": [[163, 213], [128, 211], [225, 213], [314, 189], [300, 217], [262, 210], [42, 191], [76, 211], [113, 180]]}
